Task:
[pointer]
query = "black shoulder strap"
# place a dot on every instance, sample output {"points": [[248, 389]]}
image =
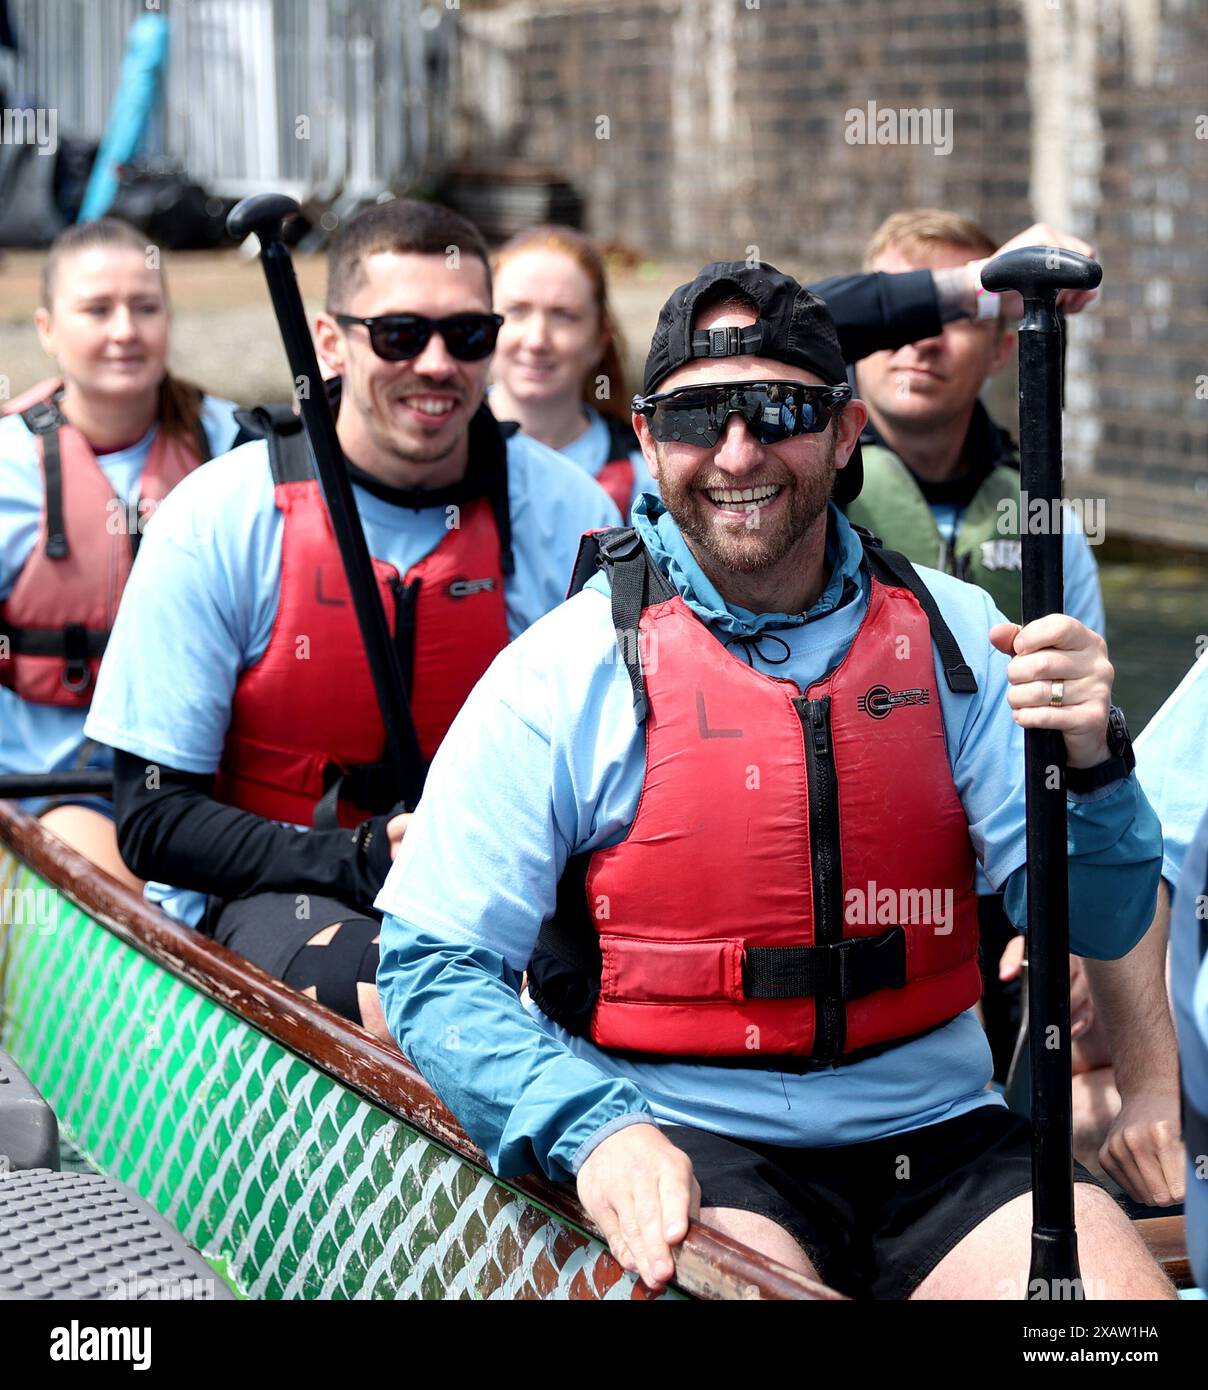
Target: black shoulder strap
{"points": [[587, 561], [891, 568], [494, 443], [44, 420], [636, 583], [288, 450], [621, 439], [201, 440]]}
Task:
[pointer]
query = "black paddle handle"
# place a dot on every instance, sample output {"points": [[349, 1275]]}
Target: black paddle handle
{"points": [[265, 215], [1039, 273]]}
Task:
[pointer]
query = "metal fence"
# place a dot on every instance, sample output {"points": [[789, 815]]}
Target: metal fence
{"points": [[324, 99]]}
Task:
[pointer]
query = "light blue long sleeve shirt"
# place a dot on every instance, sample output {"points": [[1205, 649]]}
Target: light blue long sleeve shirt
{"points": [[1189, 993], [1172, 763], [593, 449], [544, 761]]}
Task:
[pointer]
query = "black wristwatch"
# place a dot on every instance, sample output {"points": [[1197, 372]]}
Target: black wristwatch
{"points": [[1120, 764]]}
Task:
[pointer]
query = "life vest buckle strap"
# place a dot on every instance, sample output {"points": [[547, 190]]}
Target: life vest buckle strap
{"points": [[43, 416], [620, 545], [52, 468], [371, 786], [77, 674], [862, 965], [847, 969]]}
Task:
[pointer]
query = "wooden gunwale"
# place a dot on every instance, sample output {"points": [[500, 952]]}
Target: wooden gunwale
{"points": [[709, 1264]]}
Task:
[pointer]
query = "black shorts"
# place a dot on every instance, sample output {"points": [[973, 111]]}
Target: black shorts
{"points": [[874, 1218], [1002, 1000], [272, 930]]}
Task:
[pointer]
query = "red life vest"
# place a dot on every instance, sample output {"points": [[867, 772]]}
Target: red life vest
{"points": [[306, 715], [61, 609], [797, 882], [617, 476]]}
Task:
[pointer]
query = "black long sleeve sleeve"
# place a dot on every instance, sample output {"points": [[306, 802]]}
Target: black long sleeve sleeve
{"points": [[874, 311], [175, 832]]}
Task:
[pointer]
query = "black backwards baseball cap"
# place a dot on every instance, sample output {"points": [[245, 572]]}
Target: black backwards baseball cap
{"points": [[793, 326]]}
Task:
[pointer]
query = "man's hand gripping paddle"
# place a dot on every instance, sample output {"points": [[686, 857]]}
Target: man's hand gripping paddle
{"points": [[1039, 273]]}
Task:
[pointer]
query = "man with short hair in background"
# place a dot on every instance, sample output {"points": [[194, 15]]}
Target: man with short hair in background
{"points": [[941, 478], [942, 486]]}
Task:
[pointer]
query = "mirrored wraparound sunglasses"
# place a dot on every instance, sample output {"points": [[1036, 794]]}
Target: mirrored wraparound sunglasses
{"points": [[773, 410], [397, 337]]}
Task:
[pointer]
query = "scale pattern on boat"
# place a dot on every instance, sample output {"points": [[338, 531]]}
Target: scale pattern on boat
{"points": [[304, 1188]]}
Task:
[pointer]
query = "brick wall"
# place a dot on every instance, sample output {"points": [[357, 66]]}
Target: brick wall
{"points": [[699, 128]]}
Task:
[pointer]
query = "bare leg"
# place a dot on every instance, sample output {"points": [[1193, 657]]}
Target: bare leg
{"points": [[92, 835], [992, 1260], [761, 1234]]}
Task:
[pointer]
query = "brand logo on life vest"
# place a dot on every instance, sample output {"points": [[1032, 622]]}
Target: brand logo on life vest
{"points": [[1001, 555], [463, 588], [879, 700]]}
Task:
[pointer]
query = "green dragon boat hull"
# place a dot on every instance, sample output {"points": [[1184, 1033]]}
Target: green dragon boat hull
{"points": [[295, 1183]]}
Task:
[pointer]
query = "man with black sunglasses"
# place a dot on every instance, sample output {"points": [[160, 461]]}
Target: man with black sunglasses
{"points": [[752, 763], [235, 689]]}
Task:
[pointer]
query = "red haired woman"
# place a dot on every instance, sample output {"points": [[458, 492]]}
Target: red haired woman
{"points": [[557, 367]]}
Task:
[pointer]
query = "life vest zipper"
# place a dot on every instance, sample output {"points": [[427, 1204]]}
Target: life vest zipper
{"points": [[406, 610], [826, 868]]}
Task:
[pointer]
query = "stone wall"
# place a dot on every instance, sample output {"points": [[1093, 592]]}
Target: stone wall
{"points": [[698, 129]]}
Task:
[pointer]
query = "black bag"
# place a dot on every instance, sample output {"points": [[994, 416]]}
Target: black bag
{"points": [[157, 198], [29, 215]]}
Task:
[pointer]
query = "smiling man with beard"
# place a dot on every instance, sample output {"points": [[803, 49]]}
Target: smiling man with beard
{"points": [[777, 515], [745, 712], [235, 689]]}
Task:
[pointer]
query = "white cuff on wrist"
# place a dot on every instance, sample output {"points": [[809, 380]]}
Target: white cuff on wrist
{"points": [[989, 304]]}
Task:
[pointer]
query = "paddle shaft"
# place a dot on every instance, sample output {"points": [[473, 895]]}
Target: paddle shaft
{"points": [[402, 744], [1039, 273], [14, 786], [1054, 1238]]}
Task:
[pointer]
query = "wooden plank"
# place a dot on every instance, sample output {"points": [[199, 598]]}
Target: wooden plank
{"points": [[1166, 1239]]}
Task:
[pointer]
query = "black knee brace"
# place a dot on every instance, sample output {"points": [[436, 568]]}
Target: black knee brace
{"points": [[335, 969]]}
